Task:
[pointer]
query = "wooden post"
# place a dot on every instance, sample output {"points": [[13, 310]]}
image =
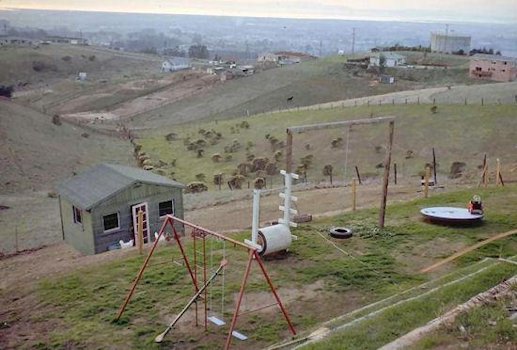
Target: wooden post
{"points": [[140, 231], [387, 165], [16, 239], [354, 194], [395, 172], [289, 152], [501, 178], [485, 176], [358, 175], [426, 181], [497, 172], [434, 168]]}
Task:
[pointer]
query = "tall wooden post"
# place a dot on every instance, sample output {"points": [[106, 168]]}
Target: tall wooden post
{"points": [[358, 175], [426, 181], [289, 153], [140, 231], [434, 168], [498, 173], [395, 172], [387, 165]]}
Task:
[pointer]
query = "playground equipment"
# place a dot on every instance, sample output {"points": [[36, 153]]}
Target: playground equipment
{"points": [[197, 267], [348, 123], [450, 215], [275, 238]]}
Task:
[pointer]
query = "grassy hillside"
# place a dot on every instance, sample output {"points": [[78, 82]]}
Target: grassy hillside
{"points": [[457, 132], [36, 153], [45, 77], [308, 83]]}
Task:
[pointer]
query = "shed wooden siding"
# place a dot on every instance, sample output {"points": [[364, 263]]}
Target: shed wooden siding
{"points": [[122, 202], [79, 236]]}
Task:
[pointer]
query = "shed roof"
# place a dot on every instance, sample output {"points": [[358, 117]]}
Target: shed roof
{"points": [[99, 183]]}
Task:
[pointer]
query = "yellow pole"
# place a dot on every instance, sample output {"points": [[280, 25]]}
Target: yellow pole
{"points": [[426, 182], [354, 194], [140, 231]]}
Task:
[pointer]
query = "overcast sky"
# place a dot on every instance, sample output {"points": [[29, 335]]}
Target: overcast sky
{"points": [[457, 10]]}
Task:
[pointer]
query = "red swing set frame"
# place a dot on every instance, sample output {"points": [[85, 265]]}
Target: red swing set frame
{"points": [[200, 233]]}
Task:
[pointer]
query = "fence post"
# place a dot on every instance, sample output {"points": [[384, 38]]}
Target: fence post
{"points": [[482, 101], [465, 101]]}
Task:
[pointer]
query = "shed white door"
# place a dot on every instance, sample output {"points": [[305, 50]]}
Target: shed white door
{"points": [[135, 209]]}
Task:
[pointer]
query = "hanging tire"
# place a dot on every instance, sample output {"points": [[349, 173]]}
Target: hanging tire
{"points": [[340, 232]]}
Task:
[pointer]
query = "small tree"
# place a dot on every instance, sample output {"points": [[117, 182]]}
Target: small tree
{"points": [[327, 171]]}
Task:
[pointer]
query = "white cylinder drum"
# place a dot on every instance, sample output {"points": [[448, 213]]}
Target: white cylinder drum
{"points": [[274, 239]]}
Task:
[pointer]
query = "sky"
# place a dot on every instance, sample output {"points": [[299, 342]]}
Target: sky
{"points": [[458, 10]]}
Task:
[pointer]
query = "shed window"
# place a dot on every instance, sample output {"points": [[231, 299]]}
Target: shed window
{"points": [[166, 208], [111, 222], [78, 219]]}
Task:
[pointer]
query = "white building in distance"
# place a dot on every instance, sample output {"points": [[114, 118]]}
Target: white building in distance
{"points": [[391, 59], [448, 43]]}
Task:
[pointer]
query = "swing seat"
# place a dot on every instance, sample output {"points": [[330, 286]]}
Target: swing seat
{"points": [[217, 321], [239, 336]]}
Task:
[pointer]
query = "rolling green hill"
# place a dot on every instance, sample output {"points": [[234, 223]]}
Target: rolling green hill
{"points": [[458, 133], [307, 83]]}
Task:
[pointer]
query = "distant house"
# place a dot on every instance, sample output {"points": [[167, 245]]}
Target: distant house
{"points": [[15, 41], [450, 43], [245, 70], [289, 57], [175, 64], [99, 207], [493, 67], [267, 57], [392, 59], [387, 79], [66, 40], [82, 76]]}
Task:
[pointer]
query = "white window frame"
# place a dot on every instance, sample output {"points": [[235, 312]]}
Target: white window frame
{"points": [[115, 228], [173, 207]]}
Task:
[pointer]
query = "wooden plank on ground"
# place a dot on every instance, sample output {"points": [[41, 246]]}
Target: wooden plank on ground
{"points": [[468, 250]]}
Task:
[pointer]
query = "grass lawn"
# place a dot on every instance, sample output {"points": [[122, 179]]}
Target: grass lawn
{"points": [[315, 280]]}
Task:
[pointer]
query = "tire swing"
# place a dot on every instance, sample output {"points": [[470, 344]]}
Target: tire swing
{"points": [[340, 232]]}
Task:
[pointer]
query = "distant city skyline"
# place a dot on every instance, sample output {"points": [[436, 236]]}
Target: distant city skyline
{"points": [[404, 10]]}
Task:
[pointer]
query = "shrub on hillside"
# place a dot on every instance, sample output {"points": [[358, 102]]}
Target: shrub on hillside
{"points": [[56, 119], [40, 66], [196, 187], [6, 91]]}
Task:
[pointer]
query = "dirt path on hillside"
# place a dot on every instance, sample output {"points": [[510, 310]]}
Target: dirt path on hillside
{"points": [[172, 90]]}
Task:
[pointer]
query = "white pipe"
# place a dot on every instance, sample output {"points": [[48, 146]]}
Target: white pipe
{"points": [[256, 215], [287, 199]]}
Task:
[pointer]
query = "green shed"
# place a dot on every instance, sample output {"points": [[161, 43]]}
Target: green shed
{"points": [[99, 207]]}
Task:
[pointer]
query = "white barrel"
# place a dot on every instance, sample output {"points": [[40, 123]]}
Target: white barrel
{"points": [[274, 239]]}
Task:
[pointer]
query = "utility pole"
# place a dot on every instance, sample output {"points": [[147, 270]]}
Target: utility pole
{"points": [[321, 46], [353, 40], [446, 37]]}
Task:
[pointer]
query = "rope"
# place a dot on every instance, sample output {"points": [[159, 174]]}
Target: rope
{"points": [[353, 257], [223, 274]]}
